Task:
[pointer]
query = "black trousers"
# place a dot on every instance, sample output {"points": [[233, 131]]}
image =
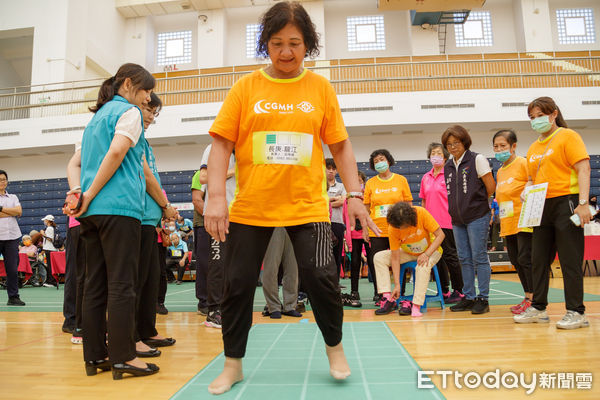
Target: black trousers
{"points": [[173, 262], [519, 253], [147, 284], [162, 279], [214, 279], [557, 232], [338, 230], [201, 243], [74, 278], [49, 277], [245, 250], [449, 264], [112, 259], [377, 244], [356, 262], [10, 250]]}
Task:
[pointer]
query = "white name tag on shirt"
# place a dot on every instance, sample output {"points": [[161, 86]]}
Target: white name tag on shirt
{"points": [[275, 147]]}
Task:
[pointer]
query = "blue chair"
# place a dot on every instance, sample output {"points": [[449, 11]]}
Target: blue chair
{"points": [[437, 297]]}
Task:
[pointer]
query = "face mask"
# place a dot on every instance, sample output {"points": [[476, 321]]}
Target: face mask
{"points": [[436, 160], [381, 166], [541, 124], [171, 228], [502, 156]]}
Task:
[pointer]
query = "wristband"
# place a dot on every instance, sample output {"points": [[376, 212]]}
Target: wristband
{"points": [[356, 195], [76, 188]]}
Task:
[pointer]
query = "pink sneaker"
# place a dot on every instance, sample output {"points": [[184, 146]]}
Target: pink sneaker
{"points": [[524, 306], [446, 295], [514, 309]]}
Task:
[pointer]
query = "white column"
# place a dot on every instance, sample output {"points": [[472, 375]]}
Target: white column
{"points": [[534, 31], [212, 38]]}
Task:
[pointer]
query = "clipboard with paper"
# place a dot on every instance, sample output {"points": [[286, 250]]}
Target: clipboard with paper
{"points": [[533, 206]]}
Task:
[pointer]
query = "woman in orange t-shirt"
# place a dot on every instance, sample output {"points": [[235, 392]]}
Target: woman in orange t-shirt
{"points": [[559, 159], [510, 182], [381, 192], [278, 118]]}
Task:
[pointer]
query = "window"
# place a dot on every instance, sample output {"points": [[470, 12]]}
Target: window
{"points": [[476, 31], [575, 25], [174, 48], [252, 35], [365, 33]]}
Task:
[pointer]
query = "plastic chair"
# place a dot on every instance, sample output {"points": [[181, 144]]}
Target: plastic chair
{"points": [[439, 296]]}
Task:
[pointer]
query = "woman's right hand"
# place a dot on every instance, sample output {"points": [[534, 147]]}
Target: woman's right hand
{"points": [[86, 199], [216, 218]]}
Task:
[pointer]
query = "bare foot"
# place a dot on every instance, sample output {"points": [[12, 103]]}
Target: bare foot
{"points": [[232, 374], [141, 346], [136, 362], [338, 365]]}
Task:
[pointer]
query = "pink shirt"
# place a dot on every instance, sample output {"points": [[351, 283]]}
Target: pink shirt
{"points": [[433, 191]]}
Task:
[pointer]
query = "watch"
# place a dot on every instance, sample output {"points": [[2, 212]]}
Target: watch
{"points": [[582, 202], [166, 206]]}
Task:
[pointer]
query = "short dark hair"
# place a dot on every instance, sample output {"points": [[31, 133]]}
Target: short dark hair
{"points": [[329, 163], [279, 16], [508, 134], [435, 145], [459, 133], [3, 172], [547, 106], [401, 214], [381, 152], [362, 176], [155, 102]]}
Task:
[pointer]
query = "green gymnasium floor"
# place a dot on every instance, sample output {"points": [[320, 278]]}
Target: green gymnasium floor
{"points": [[182, 297], [288, 361]]}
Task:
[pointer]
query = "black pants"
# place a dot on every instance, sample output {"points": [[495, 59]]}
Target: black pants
{"points": [[449, 264], [112, 259], [557, 232], [162, 279], [10, 250], [214, 279], [356, 262], [519, 253], [377, 244], [338, 230], [147, 284], [49, 277], [201, 242], [245, 250], [74, 278], [173, 262]]}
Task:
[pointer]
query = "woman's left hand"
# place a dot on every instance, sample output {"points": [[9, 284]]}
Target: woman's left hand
{"points": [[584, 214], [423, 259], [357, 210]]}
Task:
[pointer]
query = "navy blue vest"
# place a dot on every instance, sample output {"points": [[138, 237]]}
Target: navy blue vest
{"points": [[467, 195]]}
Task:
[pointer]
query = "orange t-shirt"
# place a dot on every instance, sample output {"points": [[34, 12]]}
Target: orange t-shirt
{"points": [[511, 181], [416, 239], [382, 194], [565, 150], [278, 126]]}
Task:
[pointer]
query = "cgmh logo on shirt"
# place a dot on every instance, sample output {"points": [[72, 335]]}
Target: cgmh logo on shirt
{"points": [[265, 107], [535, 157]]}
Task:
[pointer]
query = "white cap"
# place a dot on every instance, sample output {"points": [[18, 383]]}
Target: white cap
{"points": [[48, 217]]}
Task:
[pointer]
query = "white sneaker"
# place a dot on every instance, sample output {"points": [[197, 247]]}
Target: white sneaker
{"points": [[532, 315], [573, 320]]}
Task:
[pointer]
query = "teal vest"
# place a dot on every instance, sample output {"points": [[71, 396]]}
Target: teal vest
{"points": [[123, 194], [152, 211]]}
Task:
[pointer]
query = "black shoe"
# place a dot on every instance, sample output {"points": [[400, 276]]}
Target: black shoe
{"points": [[68, 329], [349, 301], [159, 342], [481, 306], [15, 301], [354, 294], [161, 309], [387, 307], [292, 313], [275, 315], [405, 307], [463, 305], [202, 310], [92, 367], [147, 354], [213, 319], [376, 298], [119, 369], [265, 311]]}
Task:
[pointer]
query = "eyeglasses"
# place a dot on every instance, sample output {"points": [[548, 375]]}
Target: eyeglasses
{"points": [[156, 114], [453, 144], [3, 180]]}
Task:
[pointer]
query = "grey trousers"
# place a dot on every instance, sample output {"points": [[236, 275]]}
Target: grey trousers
{"points": [[280, 249]]}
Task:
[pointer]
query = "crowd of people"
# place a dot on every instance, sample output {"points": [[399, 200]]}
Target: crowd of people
{"points": [[244, 220]]}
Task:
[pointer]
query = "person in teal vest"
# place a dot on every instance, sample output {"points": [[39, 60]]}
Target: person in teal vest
{"points": [[113, 187], [147, 337]]}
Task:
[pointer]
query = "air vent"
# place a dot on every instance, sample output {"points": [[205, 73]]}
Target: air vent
{"points": [[415, 132], [185, 143], [193, 119], [15, 133], [381, 133], [590, 102], [357, 109], [515, 104], [436, 106], [68, 129]]}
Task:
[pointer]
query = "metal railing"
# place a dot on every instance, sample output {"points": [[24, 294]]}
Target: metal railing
{"points": [[346, 77]]}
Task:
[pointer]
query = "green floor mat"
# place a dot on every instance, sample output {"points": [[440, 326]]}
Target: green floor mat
{"points": [[288, 361]]}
